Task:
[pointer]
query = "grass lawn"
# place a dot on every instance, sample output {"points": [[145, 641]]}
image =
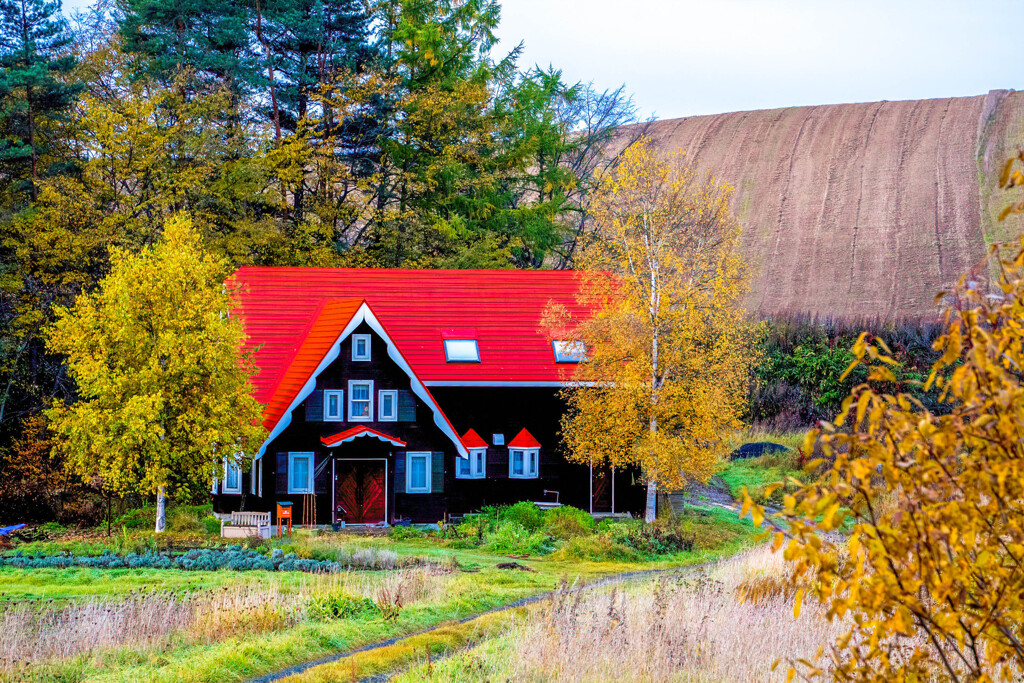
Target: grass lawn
{"points": [[227, 625]]}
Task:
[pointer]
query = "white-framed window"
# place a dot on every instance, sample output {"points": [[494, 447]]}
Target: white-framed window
{"points": [[232, 476], [300, 473], [523, 463], [461, 351], [360, 400], [360, 347], [417, 472], [569, 351], [387, 405], [498, 439], [473, 467], [334, 405]]}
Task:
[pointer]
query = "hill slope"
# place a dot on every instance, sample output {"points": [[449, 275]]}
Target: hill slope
{"points": [[860, 209]]}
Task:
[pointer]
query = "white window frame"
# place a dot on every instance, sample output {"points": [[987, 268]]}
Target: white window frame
{"points": [[451, 357], [232, 463], [531, 456], [393, 417], [356, 338], [292, 455], [340, 393], [477, 465], [569, 351], [427, 456], [369, 393]]}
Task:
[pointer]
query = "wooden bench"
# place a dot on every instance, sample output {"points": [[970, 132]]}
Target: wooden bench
{"points": [[548, 504], [245, 524]]}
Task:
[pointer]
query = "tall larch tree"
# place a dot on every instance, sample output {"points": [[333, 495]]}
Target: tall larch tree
{"points": [[164, 390], [666, 348], [36, 91]]}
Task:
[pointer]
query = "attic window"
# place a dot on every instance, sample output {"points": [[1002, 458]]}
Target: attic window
{"points": [[461, 351], [569, 351]]}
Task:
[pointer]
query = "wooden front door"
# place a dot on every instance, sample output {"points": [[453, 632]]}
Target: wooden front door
{"points": [[359, 492], [602, 483]]}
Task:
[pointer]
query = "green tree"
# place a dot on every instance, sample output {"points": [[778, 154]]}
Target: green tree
{"points": [[164, 392], [35, 91]]}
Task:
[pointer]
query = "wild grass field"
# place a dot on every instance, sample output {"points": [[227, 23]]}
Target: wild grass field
{"points": [[143, 623]]}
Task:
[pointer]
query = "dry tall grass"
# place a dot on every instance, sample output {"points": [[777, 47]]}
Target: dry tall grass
{"points": [[34, 633], [696, 629]]}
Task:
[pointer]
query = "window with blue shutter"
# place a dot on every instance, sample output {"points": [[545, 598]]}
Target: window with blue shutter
{"points": [[315, 406]]}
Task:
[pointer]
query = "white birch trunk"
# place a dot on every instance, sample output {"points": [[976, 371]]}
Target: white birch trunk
{"points": [[651, 511], [161, 513]]}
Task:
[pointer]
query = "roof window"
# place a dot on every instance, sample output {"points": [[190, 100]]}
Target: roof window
{"points": [[569, 351], [461, 351]]}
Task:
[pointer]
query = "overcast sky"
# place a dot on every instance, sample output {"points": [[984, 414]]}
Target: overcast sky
{"points": [[686, 57]]}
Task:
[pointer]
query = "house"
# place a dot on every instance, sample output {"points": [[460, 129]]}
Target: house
{"points": [[409, 395]]}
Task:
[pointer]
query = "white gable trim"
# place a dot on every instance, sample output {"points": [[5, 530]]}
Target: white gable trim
{"points": [[369, 432], [364, 314]]}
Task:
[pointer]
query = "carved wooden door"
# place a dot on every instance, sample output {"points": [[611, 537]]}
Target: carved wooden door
{"points": [[359, 494]]}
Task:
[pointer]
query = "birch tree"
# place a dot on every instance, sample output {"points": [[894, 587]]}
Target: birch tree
{"points": [[164, 392], [667, 345]]}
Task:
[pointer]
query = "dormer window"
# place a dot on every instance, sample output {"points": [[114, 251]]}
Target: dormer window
{"points": [[461, 351], [569, 351], [360, 347]]}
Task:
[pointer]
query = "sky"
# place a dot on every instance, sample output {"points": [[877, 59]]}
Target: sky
{"points": [[683, 57], [689, 57]]}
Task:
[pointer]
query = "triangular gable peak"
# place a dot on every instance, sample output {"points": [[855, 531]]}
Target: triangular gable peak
{"points": [[524, 439], [473, 440], [299, 379]]}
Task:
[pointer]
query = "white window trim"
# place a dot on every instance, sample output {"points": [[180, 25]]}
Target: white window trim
{"points": [[256, 477], [448, 358], [530, 456], [381, 417], [355, 344], [408, 472], [309, 488], [340, 417], [369, 413], [477, 467], [234, 490]]}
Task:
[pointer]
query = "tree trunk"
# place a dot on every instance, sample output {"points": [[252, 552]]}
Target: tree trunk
{"points": [[161, 514], [651, 511]]}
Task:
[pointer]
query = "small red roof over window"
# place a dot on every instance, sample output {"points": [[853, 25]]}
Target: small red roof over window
{"points": [[524, 439], [355, 432], [472, 440]]}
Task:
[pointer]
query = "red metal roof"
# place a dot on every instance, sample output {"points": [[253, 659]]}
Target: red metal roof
{"points": [[472, 440], [524, 439], [290, 315], [350, 434]]}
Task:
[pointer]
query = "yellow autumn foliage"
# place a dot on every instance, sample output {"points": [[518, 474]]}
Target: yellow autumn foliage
{"points": [[164, 393], [668, 348], [931, 577]]}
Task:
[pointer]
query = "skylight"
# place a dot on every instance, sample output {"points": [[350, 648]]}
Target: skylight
{"points": [[569, 351], [461, 351]]}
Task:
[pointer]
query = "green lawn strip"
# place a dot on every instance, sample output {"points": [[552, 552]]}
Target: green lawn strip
{"points": [[489, 660], [757, 473], [440, 642]]}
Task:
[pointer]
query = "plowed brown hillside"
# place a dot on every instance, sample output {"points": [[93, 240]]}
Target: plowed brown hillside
{"points": [[860, 209]]}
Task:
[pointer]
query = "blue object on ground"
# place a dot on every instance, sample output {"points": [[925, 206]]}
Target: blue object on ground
{"points": [[4, 530], [756, 450]]}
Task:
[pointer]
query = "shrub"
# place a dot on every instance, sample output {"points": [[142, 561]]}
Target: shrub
{"points": [[342, 606], [211, 525], [524, 513], [401, 533], [568, 522], [512, 538], [595, 548]]}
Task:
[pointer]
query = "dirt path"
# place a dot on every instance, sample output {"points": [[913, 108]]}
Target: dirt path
{"points": [[598, 583]]}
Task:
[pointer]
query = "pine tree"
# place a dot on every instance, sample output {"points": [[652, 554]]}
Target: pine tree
{"points": [[34, 88]]}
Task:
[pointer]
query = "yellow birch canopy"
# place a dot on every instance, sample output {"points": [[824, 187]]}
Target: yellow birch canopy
{"points": [[163, 391], [667, 347]]}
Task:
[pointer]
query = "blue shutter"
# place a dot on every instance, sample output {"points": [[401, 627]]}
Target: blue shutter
{"points": [[437, 472], [406, 406], [315, 406], [400, 472]]}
